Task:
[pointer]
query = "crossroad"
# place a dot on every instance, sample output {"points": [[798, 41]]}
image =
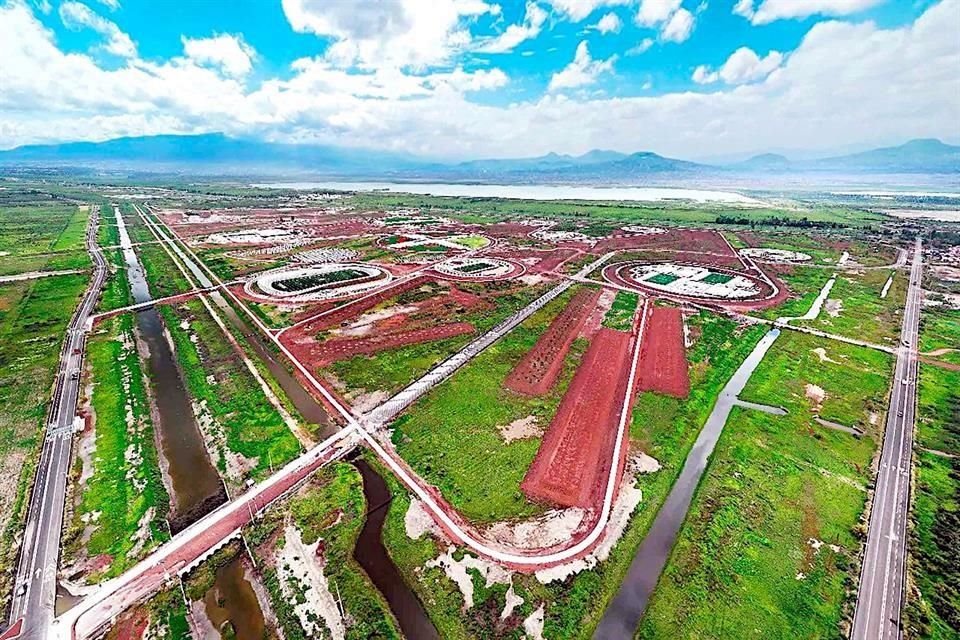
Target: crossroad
{"points": [[881, 595], [35, 585]]}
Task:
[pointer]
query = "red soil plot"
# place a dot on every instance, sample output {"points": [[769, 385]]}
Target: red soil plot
{"points": [[572, 465], [663, 359], [330, 351], [537, 371]]}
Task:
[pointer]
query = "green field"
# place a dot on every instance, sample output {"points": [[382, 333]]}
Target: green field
{"points": [[450, 436], [744, 558], [621, 312], [46, 237], [934, 609], [804, 285], [855, 309], [120, 509], [940, 331]]}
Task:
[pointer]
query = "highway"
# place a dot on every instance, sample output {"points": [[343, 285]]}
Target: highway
{"points": [[882, 577], [35, 585]]}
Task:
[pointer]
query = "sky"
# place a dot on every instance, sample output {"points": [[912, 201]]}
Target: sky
{"points": [[462, 79]]}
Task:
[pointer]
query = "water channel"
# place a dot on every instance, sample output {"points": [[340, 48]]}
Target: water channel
{"points": [[197, 487], [622, 616]]}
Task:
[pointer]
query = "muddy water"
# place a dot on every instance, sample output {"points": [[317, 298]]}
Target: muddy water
{"points": [[232, 606], [197, 487], [373, 557], [621, 618]]}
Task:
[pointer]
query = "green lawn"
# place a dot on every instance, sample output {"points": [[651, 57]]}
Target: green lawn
{"points": [[125, 486], [773, 484]]}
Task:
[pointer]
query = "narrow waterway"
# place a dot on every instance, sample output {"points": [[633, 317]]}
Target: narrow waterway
{"points": [[621, 618], [197, 487], [373, 557], [231, 604]]}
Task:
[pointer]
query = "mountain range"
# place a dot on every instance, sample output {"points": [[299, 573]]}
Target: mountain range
{"points": [[218, 154]]}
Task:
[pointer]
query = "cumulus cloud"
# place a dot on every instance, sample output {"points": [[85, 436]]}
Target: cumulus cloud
{"points": [[113, 5], [676, 23], [641, 47], [609, 23], [78, 16], [771, 10], [582, 71], [577, 10], [743, 66], [513, 35], [228, 52], [405, 33], [815, 99]]}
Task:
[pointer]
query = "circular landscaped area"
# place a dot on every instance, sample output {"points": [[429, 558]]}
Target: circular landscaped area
{"points": [[319, 282], [479, 268], [688, 281]]}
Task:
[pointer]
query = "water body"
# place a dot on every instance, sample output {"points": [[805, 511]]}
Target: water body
{"points": [[528, 192], [197, 487], [231, 604], [373, 557], [621, 618]]}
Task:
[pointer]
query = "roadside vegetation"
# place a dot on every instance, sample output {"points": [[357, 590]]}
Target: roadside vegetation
{"points": [[934, 604], [119, 500], [855, 309], [34, 315], [621, 312], [940, 334], [771, 541], [804, 285], [48, 237]]}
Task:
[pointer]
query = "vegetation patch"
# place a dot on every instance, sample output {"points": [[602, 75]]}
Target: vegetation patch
{"points": [[621, 312]]}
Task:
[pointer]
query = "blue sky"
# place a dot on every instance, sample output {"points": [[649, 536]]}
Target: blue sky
{"points": [[480, 78]]}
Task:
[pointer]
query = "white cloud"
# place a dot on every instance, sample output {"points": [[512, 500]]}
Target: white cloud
{"points": [[743, 66], [228, 52], [641, 47], [582, 71], [577, 10], [403, 33], [609, 23], [76, 16], [653, 12], [113, 5], [771, 10], [814, 100], [514, 34], [679, 27]]}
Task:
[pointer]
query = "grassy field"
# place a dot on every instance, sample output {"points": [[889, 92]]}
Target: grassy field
{"points": [[747, 560], [493, 209], [621, 312], [663, 427], [244, 421], [33, 318], [42, 238], [120, 508], [934, 608], [804, 285], [392, 369], [855, 308], [451, 437], [940, 329], [330, 508]]}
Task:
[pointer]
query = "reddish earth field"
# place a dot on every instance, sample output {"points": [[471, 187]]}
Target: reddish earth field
{"points": [[571, 467], [330, 351], [537, 371], [663, 359], [546, 260]]}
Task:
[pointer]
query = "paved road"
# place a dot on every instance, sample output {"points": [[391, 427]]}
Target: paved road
{"points": [[36, 579], [882, 577]]}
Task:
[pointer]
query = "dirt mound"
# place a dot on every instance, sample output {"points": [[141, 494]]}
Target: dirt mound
{"points": [[537, 371], [663, 359]]}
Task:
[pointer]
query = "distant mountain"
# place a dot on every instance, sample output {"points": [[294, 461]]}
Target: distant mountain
{"points": [[206, 153], [916, 156], [218, 154]]}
